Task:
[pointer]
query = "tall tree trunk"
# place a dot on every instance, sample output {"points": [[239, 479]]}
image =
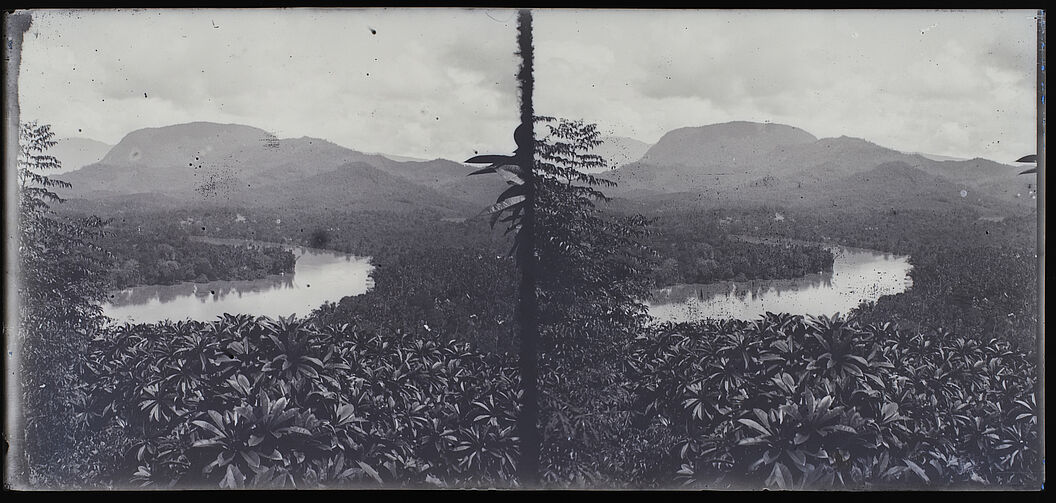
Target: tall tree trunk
{"points": [[528, 307]]}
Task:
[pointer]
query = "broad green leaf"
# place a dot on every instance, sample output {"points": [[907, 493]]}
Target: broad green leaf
{"points": [[491, 159], [498, 207], [234, 478], [370, 471], [510, 173], [918, 470], [209, 427], [516, 190], [754, 425]]}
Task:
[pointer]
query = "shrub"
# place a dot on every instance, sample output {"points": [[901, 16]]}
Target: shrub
{"points": [[793, 402], [246, 401]]}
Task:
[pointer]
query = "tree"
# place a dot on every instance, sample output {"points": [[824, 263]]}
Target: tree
{"points": [[61, 281], [528, 307], [594, 269], [519, 203], [590, 272], [582, 277], [593, 266]]}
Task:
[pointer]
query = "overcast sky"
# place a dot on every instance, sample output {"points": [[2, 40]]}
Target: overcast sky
{"points": [[440, 83]]}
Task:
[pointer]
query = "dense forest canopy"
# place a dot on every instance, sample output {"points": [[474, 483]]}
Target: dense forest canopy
{"points": [[415, 382], [165, 255]]}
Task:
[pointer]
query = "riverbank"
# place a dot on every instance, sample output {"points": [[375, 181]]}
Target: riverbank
{"points": [[858, 275], [319, 276]]}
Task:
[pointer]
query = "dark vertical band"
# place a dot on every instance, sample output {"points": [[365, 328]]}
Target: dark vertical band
{"points": [[15, 476], [1040, 191], [528, 419]]}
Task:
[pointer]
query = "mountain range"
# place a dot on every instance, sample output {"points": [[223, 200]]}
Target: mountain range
{"points": [[747, 162], [743, 162], [232, 164]]}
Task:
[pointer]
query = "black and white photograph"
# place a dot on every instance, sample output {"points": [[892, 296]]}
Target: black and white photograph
{"points": [[524, 249]]}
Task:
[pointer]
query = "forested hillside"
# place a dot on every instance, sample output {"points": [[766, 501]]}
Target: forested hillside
{"points": [[415, 383]]}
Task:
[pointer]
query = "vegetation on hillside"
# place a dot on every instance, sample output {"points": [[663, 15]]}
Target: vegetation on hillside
{"points": [[61, 280], [254, 402], [812, 403], [783, 401], [696, 256], [164, 255], [593, 279], [416, 382], [982, 292], [463, 292]]}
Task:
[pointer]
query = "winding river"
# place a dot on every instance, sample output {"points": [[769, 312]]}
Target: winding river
{"points": [[857, 275], [319, 276]]}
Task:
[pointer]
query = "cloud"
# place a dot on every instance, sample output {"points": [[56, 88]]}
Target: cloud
{"points": [[314, 72], [894, 78], [440, 82]]}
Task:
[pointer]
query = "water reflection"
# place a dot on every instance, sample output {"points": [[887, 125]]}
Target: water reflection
{"points": [[857, 276], [205, 292], [318, 276]]}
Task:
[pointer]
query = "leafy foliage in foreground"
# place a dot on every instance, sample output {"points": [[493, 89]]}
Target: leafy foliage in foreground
{"points": [[60, 282], [783, 401], [256, 402], [593, 274], [790, 402]]}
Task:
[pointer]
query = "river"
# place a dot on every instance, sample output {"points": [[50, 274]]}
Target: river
{"points": [[857, 275], [318, 276]]}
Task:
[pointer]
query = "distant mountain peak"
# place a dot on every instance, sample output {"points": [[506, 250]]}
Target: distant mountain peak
{"points": [[729, 143], [200, 127], [768, 162], [239, 164], [852, 142], [78, 152], [619, 150], [186, 144]]}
